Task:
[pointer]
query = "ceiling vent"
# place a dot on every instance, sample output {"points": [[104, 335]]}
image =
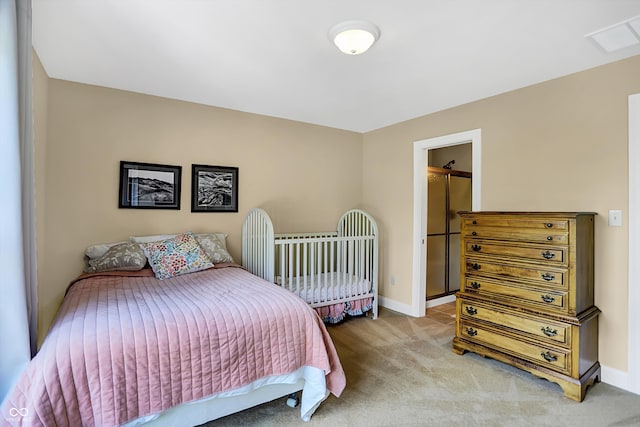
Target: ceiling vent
{"points": [[618, 36]]}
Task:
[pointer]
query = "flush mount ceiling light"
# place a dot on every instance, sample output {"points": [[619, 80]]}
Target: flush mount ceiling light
{"points": [[354, 37]]}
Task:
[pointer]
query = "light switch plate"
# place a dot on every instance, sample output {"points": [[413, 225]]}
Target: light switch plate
{"points": [[615, 218]]}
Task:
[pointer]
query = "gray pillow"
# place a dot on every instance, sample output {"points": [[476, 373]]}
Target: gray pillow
{"points": [[124, 256], [215, 249]]}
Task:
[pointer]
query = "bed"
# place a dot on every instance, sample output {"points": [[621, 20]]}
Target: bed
{"points": [[127, 348], [335, 272]]}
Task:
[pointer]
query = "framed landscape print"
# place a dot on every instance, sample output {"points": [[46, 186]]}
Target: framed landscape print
{"points": [[149, 186], [214, 189]]}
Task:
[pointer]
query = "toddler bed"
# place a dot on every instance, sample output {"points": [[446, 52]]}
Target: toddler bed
{"points": [[335, 272]]}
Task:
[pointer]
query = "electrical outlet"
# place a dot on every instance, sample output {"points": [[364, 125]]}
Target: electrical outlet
{"points": [[393, 280]]}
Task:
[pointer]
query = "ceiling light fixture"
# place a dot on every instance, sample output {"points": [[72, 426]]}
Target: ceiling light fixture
{"points": [[354, 37]]}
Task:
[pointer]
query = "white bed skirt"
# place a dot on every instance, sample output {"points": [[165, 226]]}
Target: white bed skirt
{"points": [[308, 379]]}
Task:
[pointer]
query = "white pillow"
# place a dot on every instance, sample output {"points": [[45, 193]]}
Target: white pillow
{"points": [[154, 238]]}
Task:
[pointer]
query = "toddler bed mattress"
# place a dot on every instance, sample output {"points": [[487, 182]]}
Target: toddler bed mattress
{"points": [[126, 345], [324, 289]]}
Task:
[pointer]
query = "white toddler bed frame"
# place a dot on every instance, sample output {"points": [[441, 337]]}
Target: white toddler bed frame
{"points": [[322, 268]]}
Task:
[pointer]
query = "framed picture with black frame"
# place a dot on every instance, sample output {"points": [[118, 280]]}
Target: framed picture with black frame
{"points": [[214, 188], [149, 186]]}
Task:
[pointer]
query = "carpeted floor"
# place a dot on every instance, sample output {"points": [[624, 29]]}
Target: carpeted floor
{"points": [[401, 372]]}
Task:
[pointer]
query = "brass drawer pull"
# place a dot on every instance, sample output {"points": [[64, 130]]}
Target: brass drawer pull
{"points": [[548, 255], [549, 225], [470, 310], [548, 277], [475, 266], [549, 238], [547, 298], [549, 357], [474, 222], [472, 332], [549, 332], [475, 285], [476, 248]]}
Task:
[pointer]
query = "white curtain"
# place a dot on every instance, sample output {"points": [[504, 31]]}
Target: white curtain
{"points": [[18, 305]]}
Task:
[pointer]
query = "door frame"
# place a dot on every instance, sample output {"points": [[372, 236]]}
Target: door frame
{"points": [[420, 164], [631, 381]]}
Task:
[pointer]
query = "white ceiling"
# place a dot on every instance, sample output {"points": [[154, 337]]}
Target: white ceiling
{"points": [[274, 57]]}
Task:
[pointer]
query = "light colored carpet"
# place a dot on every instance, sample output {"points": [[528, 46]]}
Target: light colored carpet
{"points": [[401, 372]]}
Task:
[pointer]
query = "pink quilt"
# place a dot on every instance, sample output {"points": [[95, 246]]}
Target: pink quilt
{"points": [[124, 347]]}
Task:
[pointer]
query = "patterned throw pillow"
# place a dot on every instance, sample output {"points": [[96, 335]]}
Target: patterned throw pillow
{"points": [[173, 257], [123, 256], [96, 251], [215, 249]]}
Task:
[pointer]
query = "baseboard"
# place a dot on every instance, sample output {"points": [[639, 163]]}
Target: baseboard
{"points": [[409, 309], [399, 307], [618, 379], [439, 301]]}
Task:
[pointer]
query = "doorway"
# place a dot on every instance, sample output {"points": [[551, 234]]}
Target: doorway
{"points": [[448, 192], [421, 151]]}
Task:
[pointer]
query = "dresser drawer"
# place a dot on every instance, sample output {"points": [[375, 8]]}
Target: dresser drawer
{"points": [[516, 222], [545, 299], [539, 328], [531, 253], [537, 275], [551, 357], [557, 237]]}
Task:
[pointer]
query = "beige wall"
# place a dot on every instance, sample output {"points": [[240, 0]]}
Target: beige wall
{"points": [[306, 176], [559, 145]]}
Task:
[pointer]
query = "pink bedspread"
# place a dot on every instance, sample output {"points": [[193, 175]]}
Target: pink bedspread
{"points": [[124, 347]]}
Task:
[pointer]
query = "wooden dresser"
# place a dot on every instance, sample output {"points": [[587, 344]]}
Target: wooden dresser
{"points": [[526, 294]]}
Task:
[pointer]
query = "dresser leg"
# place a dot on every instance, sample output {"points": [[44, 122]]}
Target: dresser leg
{"points": [[578, 392], [457, 349]]}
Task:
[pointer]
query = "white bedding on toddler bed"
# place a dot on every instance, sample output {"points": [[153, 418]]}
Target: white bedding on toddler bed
{"points": [[326, 287]]}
